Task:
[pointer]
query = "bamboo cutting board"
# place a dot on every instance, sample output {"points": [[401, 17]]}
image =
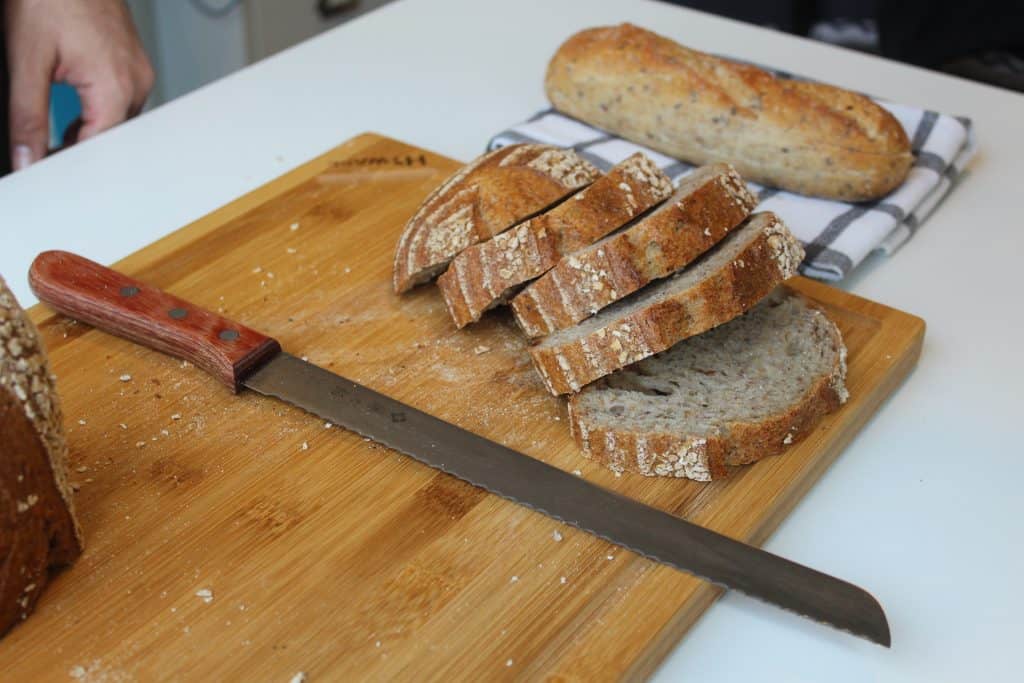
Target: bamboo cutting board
{"points": [[324, 553]]}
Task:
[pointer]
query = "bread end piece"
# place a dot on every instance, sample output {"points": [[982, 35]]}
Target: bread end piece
{"points": [[482, 199], [38, 529]]}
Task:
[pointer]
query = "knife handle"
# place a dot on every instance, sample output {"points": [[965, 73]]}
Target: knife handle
{"points": [[120, 305]]}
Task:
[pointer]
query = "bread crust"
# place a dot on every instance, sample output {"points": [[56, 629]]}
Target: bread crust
{"points": [[756, 270], [811, 138], [708, 457], [485, 275], [701, 213], [37, 525], [483, 198]]}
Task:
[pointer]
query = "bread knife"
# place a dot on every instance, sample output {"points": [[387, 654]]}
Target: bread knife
{"points": [[243, 358]]}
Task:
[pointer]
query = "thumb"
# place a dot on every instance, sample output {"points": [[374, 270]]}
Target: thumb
{"points": [[31, 73]]}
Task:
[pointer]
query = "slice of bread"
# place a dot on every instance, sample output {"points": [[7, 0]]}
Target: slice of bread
{"points": [[37, 524], [486, 274], [722, 284], [743, 391], [485, 197], [709, 203]]}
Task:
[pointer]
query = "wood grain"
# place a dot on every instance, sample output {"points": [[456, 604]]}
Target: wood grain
{"points": [[126, 307], [331, 555]]}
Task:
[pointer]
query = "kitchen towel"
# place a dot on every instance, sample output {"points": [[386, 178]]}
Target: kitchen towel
{"points": [[836, 235]]}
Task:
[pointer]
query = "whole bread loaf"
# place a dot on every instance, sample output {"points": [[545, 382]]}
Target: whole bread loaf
{"points": [[710, 202], [37, 524], [485, 197], [804, 137], [741, 392], [725, 282], [486, 274]]}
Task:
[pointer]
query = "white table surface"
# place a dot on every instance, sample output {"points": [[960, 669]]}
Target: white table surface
{"points": [[923, 508]]}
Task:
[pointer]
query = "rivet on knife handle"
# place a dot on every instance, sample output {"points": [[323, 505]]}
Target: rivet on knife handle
{"points": [[120, 305]]}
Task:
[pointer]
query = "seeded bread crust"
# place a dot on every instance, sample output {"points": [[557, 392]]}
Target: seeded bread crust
{"points": [[805, 137], [686, 452], [710, 202], [37, 525], [485, 197], [730, 279], [486, 274]]}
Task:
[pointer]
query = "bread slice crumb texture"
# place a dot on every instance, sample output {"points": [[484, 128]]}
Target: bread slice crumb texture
{"points": [[731, 396]]}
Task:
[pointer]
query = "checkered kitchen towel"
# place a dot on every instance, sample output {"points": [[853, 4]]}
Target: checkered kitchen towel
{"points": [[836, 235]]}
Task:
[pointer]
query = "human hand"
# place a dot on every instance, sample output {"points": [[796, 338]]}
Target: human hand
{"points": [[91, 45]]}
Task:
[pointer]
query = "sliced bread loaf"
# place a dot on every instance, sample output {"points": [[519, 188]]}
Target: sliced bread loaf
{"points": [[728, 280], [709, 203], [488, 195], [37, 524], [484, 275], [743, 391]]}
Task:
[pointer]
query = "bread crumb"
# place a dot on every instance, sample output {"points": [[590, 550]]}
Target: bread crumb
{"points": [[557, 535], [140, 444], [577, 473], [122, 425], [514, 579], [377, 644], [294, 226], [611, 557], [291, 250], [125, 378], [327, 425], [206, 594], [788, 440], [481, 349], [562, 580], [176, 416], [298, 678], [347, 269], [77, 671], [508, 662], [305, 446], [81, 468], [81, 422], [165, 432]]}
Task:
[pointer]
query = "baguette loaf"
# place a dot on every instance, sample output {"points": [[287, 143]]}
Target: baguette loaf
{"points": [[485, 197], [743, 391], [805, 137], [484, 275], [37, 525], [721, 285], [710, 202]]}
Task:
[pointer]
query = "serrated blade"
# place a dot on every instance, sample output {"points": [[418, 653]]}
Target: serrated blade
{"points": [[570, 499]]}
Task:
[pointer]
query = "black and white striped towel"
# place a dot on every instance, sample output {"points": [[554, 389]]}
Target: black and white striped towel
{"points": [[836, 235]]}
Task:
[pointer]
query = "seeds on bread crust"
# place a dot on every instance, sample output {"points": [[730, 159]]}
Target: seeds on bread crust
{"points": [[483, 198], [709, 203], [487, 274]]}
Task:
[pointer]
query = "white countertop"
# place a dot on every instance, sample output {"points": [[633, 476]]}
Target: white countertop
{"points": [[923, 508]]}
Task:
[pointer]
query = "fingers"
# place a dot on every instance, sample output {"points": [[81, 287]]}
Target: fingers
{"points": [[111, 97], [31, 72], [105, 103]]}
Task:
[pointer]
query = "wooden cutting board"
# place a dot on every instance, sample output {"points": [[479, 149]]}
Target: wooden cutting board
{"points": [[325, 553]]}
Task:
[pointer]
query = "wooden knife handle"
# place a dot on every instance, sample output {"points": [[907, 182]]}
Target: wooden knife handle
{"points": [[120, 305]]}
